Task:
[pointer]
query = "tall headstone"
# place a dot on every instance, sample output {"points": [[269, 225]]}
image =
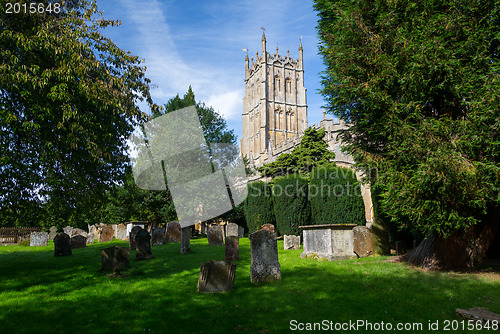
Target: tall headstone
{"points": [[52, 232], [215, 236], [39, 238], [216, 276], [265, 265], [231, 230], [62, 245], [131, 238], [232, 248], [158, 236], [107, 233], [173, 232], [78, 241], [115, 259], [362, 241], [241, 232], [291, 242], [267, 227], [143, 245], [68, 230], [185, 240]]}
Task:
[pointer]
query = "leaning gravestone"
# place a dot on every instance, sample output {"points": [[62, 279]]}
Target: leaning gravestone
{"points": [[62, 245], [78, 241], [158, 236], [362, 241], [39, 238], [185, 240], [132, 235], [232, 249], [143, 245], [291, 242], [216, 276], [231, 230], [265, 265], [173, 232], [241, 232], [107, 233], [68, 230], [215, 236], [52, 232], [267, 227], [114, 259]]}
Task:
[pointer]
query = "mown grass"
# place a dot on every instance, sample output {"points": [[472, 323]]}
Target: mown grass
{"points": [[43, 294]]}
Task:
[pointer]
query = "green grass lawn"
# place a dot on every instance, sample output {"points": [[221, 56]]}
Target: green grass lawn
{"points": [[40, 293]]}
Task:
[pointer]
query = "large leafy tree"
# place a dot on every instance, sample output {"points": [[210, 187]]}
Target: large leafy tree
{"points": [[67, 103], [418, 81]]}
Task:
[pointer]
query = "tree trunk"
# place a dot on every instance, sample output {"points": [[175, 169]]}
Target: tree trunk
{"points": [[462, 250]]}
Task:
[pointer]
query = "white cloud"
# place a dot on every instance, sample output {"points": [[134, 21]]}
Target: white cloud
{"points": [[228, 104]]}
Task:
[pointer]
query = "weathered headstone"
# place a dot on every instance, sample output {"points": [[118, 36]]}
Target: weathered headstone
{"points": [[380, 237], [39, 238], [78, 241], [215, 236], [143, 245], [158, 236], [52, 232], [90, 238], [231, 230], [131, 238], [107, 233], [120, 231], [216, 276], [241, 232], [291, 242], [62, 245], [267, 227], [362, 241], [401, 247], [173, 232], [78, 231], [232, 249], [185, 240], [68, 230], [114, 259], [265, 265]]}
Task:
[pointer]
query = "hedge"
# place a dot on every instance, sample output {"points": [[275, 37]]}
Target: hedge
{"points": [[258, 206], [291, 203]]}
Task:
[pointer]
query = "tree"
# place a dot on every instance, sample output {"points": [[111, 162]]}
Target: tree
{"points": [[418, 83], [67, 102], [311, 152], [291, 203], [258, 206]]}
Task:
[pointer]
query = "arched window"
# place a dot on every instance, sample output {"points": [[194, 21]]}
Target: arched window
{"points": [[277, 88], [288, 89]]}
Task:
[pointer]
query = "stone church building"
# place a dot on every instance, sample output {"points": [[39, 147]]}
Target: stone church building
{"points": [[275, 113]]}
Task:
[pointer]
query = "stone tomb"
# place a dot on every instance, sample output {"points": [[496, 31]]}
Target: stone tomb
{"points": [[231, 230], [265, 265], [185, 240], [62, 245], [291, 242], [78, 241], [143, 245], [232, 249], [216, 276], [131, 238], [173, 232], [362, 241], [215, 236], [115, 259], [107, 233], [330, 241], [158, 236], [52, 232], [39, 238]]}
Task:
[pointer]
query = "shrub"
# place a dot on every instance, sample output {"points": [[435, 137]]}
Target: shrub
{"points": [[335, 197], [258, 206], [291, 203]]}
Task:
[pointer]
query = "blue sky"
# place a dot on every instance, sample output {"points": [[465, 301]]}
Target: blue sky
{"points": [[200, 43]]}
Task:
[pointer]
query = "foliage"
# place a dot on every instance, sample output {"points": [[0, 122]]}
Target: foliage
{"points": [[311, 152], [258, 206], [335, 196], [418, 83], [67, 101], [291, 203]]}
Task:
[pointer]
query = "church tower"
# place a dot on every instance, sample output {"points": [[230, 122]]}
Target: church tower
{"points": [[274, 106]]}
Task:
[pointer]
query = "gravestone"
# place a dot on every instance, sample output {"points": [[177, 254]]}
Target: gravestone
{"points": [[185, 240], [231, 230], [216, 276], [115, 259], [173, 232], [131, 238], [39, 238], [291, 242], [265, 265], [362, 241], [68, 230], [107, 233], [52, 232], [267, 227], [232, 249], [90, 238], [143, 245], [241, 232], [62, 245], [78, 241], [78, 231], [401, 248], [120, 231], [158, 236], [215, 236]]}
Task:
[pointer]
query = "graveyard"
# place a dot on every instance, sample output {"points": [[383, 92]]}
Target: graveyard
{"points": [[43, 293]]}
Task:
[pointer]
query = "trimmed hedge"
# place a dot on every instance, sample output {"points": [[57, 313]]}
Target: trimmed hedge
{"points": [[335, 197], [258, 206], [291, 203]]}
